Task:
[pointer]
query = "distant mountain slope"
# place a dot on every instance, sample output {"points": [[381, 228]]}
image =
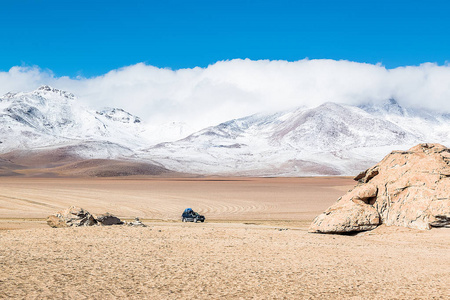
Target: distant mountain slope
{"points": [[48, 128], [49, 117], [330, 139]]}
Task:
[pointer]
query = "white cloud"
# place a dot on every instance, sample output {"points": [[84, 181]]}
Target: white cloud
{"points": [[232, 89]]}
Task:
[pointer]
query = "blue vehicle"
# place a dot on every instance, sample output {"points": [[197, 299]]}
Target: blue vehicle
{"points": [[191, 216]]}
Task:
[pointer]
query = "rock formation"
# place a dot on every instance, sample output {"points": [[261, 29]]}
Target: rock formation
{"points": [[108, 219], [407, 188], [73, 216], [76, 216]]}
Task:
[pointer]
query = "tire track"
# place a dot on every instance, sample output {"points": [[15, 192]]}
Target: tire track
{"points": [[29, 201]]}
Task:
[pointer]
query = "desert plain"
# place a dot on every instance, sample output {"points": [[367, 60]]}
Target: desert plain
{"points": [[254, 244]]}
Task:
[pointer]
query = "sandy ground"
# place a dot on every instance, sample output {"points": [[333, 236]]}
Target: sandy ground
{"points": [[165, 199], [255, 247]]}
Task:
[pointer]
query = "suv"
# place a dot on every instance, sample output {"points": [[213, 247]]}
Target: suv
{"points": [[191, 216]]}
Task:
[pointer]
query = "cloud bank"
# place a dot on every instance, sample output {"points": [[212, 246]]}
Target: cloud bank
{"points": [[236, 88]]}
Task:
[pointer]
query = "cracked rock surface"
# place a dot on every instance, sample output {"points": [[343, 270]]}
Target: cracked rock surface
{"points": [[407, 188]]}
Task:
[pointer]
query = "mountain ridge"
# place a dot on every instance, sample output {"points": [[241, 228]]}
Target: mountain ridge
{"points": [[329, 139]]}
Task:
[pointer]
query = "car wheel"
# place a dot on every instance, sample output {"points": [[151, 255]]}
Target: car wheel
{"points": [[183, 220], [195, 220]]}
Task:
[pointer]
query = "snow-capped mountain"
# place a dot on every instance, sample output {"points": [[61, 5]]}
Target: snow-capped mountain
{"points": [[331, 139], [51, 118], [48, 117], [118, 115]]}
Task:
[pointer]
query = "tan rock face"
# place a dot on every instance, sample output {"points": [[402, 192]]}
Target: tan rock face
{"points": [[56, 222], [407, 188]]}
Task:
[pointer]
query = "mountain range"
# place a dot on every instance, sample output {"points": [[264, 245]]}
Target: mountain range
{"points": [[47, 131]]}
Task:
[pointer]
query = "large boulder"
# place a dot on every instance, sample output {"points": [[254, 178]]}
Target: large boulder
{"points": [[73, 216], [352, 212], [407, 188]]}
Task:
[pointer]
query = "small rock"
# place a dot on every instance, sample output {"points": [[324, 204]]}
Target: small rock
{"points": [[137, 223]]}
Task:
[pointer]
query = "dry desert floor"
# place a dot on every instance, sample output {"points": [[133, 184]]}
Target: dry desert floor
{"points": [[253, 245]]}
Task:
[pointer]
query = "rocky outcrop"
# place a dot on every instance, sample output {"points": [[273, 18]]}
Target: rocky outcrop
{"points": [[108, 219], [73, 216], [407, 188], [76, 216]]}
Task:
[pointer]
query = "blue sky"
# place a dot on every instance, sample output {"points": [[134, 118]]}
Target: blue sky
{"points": [[90, 38]]}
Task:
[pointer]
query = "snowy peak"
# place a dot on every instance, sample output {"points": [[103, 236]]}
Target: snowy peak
{"points": [[328, 139], [43, 109], [393, 107], [227, 130], [48, 117], [389, 107], [118, 115], [329, 126], [8, 96], [47, 91], [334, 126], [236, 128], [44, 96]]}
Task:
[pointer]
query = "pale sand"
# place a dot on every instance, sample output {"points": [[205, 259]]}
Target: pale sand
{"points": [[212, 260], [162, 199]]}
